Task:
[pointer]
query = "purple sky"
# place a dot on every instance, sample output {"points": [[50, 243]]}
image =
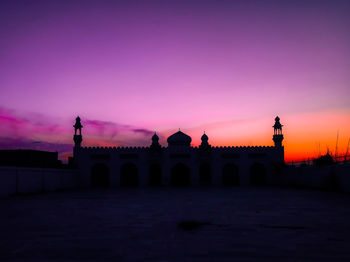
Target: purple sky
{"points": [[226, 67]]}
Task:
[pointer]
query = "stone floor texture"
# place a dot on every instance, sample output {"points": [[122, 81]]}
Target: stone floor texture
{"points": [[225, 224]]}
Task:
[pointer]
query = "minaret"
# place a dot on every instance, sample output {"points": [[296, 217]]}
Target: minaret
{"points": [[77, 138], [277, 133]]}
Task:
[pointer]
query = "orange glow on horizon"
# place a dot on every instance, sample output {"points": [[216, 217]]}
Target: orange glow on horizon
{"points": [[306, 135]]}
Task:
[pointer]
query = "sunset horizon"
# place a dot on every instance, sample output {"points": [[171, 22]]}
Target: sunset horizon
{"points": [[130, 69], [104, 133]]}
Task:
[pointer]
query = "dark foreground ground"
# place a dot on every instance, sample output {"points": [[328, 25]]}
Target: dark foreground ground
{"points": [[243, 224]]}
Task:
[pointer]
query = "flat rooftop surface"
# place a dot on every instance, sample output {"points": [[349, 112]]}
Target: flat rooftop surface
{"points": [[168, 224]]}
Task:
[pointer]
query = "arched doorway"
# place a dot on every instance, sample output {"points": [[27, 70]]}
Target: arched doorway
{"points": [[99, 176], [204, 174], [230, 176], [129, 175], [180, 175], [155, 175], [257, 174]]}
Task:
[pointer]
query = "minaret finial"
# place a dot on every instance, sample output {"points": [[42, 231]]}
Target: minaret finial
{"points": [[77, 137], [277, 132]]}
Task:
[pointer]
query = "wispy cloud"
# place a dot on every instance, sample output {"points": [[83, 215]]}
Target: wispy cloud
{"points": [[112, 128], [143, 131], [37, 131]]}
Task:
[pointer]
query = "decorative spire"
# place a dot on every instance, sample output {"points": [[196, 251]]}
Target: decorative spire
{"points": [[204, 138], [77, 125], [204, 147], [155, 138], [277, 126], [155, 146]]}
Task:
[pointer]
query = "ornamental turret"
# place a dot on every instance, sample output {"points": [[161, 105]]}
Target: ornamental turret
{"points": [[155, 146], [277, 132], [204, 139], [204, 147]]}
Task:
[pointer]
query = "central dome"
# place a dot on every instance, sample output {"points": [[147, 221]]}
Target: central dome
{"points": [[179, 139]]}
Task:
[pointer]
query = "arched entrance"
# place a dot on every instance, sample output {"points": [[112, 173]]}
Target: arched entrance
{"points": [[230, 176], [257, 174], [129, 175], [180, 175], [204, 174], [99, 176], [155, 175]]}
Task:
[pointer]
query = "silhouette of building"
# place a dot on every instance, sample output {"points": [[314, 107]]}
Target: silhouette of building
{"points": [[178, 164], [29, 158]]}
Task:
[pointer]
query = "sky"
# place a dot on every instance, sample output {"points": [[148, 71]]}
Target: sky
{"points": [[130, 68]]}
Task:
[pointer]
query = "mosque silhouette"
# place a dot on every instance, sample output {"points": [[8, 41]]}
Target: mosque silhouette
{"points": [[178, 164]]}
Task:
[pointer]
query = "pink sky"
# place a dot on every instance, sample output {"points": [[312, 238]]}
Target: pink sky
{"points": [[226, 67]]}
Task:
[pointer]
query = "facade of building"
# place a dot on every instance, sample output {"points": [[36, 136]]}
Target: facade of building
{"points": [[178, 164]]}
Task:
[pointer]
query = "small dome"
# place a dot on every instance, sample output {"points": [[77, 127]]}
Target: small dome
{"points": [[277, 119], [179, 139], [204, 137], [155, 138]]}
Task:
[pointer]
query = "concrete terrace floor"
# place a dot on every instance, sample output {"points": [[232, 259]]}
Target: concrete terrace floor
{"points": [[243, 224]]}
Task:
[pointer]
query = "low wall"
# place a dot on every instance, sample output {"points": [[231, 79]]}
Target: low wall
{"points": [[343, 178], [18, 180], [334, 177]]}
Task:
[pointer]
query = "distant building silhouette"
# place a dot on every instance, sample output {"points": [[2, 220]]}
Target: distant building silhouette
{"points": [[178, 164], [29, 158], [324, 160]]}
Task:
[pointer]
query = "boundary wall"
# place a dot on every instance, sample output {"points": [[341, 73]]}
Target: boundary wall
{"points": [[22, 180]]}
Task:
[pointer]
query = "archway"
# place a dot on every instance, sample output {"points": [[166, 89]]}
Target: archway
{"points": [[99, 176], [155, 175], [257, 174], [180, 175], [230, 176], [129, 175], [204, 174]]}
